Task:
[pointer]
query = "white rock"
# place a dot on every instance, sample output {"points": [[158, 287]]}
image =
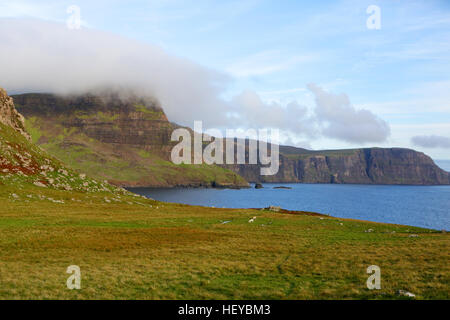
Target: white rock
{"points": [[406, 293], [39, 184]]}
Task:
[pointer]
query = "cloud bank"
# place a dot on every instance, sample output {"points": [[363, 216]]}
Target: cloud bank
{"points": [[333, 116], [432, 141], [253, 112], [340, 120], [38, 56]]}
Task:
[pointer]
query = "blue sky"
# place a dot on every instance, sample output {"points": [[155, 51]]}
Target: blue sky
{"points": [[274, 49]]}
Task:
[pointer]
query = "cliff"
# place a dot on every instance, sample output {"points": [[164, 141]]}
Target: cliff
{"points": [[126, 140], [24, 166], [360, 166], [9, 115], [123, 138]]}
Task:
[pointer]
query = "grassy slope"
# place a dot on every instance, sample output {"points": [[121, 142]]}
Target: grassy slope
{"points": [[137, 167], [23, 164], [135, 248]]}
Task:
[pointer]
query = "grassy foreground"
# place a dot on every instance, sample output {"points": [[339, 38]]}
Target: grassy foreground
{"points": [[133, 248]]}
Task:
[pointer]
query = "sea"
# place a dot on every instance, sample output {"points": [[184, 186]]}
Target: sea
{"points": [[420, 206]]}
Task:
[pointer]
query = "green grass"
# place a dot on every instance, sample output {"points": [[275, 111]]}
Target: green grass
{"points": [[32, 129], [149, 114], [22, 164], [129, 247], [131, 166], [134, 248]]}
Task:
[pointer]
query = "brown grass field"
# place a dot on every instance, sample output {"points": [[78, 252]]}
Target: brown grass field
{"points": [[133, 248]]}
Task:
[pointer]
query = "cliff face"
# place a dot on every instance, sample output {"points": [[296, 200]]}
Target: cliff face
{"points": [[361, 166], [9, 115], [124, 139], [108, 118], [127, 141], [403, 166], [24, 166]]}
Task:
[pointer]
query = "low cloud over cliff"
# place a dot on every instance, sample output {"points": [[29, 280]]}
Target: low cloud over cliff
{"points": [[48, 57], [38, 56]]}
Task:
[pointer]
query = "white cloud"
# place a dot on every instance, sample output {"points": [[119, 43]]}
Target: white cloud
{"points": [[39, 56], [254, 112], [340, 120], [333, 116], [431, 141], [24, 9]]}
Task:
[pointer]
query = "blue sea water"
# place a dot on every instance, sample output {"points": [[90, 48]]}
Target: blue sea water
{"points": [[422, 206]]}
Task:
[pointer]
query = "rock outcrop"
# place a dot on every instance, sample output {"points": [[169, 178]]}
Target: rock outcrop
{"points": [[24, 165], [9, 115]]}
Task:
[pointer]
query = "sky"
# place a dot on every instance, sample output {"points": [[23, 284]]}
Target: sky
{"points": [[318, 71]]}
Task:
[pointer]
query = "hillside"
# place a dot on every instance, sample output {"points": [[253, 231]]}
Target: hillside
{"points": [[24, 165], [127, 142]]}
